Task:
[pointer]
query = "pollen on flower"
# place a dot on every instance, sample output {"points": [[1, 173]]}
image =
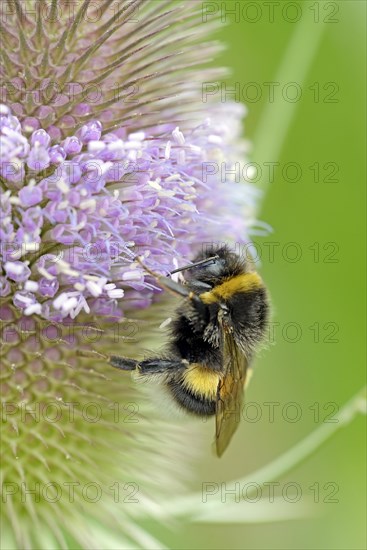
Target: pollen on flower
{"points": [[167, 151]]}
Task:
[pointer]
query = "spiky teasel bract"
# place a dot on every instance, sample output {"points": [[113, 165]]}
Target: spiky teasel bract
{"points": [[105, 145]]}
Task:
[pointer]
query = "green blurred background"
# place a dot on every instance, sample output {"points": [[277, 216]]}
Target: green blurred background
{"points": [[318, 300]]}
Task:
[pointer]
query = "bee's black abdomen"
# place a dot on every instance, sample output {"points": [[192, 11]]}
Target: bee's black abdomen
{"points": [[190, 402]]}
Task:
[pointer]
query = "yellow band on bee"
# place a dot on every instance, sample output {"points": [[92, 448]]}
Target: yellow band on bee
{"points": [[201, 380], [242, 283]]}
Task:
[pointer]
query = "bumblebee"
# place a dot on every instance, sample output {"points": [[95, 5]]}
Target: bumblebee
{"points": [[214, 334]]}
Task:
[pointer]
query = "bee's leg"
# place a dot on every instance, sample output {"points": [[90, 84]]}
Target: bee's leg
{"points": [[148, 366], [171, 285], [159, 366], [177, 288], [123, 363]]}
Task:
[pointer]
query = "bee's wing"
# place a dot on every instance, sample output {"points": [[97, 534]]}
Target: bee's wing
{"points": [[230, 391]]}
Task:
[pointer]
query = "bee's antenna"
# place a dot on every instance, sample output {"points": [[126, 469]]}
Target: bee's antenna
{"points": [[171, 285], [212, 259]]}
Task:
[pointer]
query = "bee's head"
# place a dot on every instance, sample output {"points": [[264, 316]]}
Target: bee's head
{"points": [[225, 264], [234, 294]]}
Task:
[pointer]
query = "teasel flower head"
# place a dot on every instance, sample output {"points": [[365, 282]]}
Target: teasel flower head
{"points": [[108, 151]]}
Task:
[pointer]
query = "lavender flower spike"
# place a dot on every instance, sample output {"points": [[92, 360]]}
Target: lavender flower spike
{"points": [[76, 230]]}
